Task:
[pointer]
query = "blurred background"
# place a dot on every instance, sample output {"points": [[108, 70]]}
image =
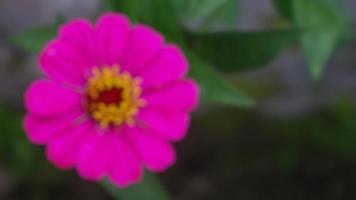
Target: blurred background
{"points": [[297, 142]]}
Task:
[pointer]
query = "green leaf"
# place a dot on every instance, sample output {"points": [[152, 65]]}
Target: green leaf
{"points": [[15, 150], [284, 8], [148, 189], [234, 51], [34, 39], [159, 14], [224, 12], [213, 88], [228, 13], [324, 22], [193, 9]]}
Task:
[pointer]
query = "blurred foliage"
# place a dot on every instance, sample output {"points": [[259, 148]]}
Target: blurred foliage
{"points": [[285, 8], [149, 188], [215, 89], [213, 12], [34, 39], [24, 163], [192, 9], [160, 14], [325, 20], [340, 134], [243, 50], [324, 23], [13, 142]]}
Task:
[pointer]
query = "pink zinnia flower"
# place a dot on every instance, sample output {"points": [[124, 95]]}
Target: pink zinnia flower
{"points": [[113, 99]]}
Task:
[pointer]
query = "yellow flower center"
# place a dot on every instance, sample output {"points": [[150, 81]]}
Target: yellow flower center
{"points": [[113, 97]]}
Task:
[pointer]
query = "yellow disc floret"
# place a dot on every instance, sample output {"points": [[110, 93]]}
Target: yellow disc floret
{"points": [[113, 97]]}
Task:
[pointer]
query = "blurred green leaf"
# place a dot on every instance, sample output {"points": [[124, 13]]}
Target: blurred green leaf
{"points": [[157, 13], [15, 150], [34, 39], [228, 13], [213, 88], [192, 9], [324, 22], [149, 188], [234, 51], [224, 12], [338, 136], [284, 8]]}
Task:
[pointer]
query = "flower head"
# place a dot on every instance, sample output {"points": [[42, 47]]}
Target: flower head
{"points": [[113, 99]]}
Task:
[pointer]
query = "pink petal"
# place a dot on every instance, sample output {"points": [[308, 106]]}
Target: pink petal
{"points": [[80, 35], [63, 150], [93, 157], [112, 35], [41, 130], [156, 153], [171, 125], [181, 95], [145, 44], [47, 98], [125, 168], [169, 66], [62, 62]]}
